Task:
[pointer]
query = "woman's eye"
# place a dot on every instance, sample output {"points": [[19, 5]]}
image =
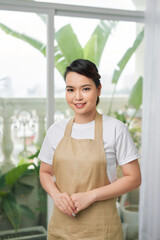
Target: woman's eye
{"points": [[86, 89], [69, 90]]}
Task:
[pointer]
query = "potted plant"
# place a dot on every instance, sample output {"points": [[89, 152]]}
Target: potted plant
{"points": [[10, 187], [14, 192], [129, 213]]}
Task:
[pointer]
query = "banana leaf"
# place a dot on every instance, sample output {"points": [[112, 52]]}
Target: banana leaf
{"points": [[12, 210], [13, 175], [43, 17], [135, 98], [60, 61], [33, 42], [2, 182], [121, 65], [4, 188], [91, 49], [68, 44], [69, 48], [94, 48]]}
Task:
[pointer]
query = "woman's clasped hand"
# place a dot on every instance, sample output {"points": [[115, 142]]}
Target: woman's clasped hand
{"points": [[71, 205], [65, 204]]}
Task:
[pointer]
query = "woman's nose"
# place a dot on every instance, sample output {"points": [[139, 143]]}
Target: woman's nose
{"points": [[78, 95]]}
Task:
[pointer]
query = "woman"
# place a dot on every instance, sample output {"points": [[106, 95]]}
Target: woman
{"points": [[82, 153]]}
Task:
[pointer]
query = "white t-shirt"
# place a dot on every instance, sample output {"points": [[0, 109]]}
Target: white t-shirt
{"points": [[118, 144]]}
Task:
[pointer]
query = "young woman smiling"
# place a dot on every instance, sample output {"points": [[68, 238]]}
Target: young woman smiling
{"points": [[83, 153], [81, 96]]}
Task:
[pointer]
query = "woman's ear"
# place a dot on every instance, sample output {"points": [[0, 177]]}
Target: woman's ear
{"points": [[99, 90]]}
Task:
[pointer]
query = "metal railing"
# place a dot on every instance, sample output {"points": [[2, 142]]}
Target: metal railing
{"points": [[23, 122]]}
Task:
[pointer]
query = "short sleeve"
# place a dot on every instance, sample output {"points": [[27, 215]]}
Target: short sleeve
{"points": [[126, 150], [47, 150]]}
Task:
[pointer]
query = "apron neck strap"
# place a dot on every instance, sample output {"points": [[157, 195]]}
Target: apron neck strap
{"points": [[98, 132], [68, 129]]}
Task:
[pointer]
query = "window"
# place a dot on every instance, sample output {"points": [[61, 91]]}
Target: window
{"points": [[23, 69], [23, 73]]}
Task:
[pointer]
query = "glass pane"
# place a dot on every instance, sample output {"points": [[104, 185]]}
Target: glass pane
{"points": [[22, 106], [22, 66], [114, 4]]}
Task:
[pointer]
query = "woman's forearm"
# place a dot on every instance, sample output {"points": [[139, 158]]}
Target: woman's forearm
{"points": [[84, 199], [115, 189], [49, 184], [61, 200], [131, 180]]}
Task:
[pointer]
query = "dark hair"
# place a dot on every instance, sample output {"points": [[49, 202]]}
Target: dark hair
{"points": [[86, 68]]}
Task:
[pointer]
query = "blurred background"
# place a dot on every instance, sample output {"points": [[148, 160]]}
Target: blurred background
{"points": [[38, 40]]}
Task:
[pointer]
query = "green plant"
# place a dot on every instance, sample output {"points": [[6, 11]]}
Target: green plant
{"points": [[25, 157], [134, 125], [134, 102], [10, 188]]}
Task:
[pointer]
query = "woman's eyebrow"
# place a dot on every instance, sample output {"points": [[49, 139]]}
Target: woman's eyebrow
{"points": [[85, 85], [69, 86]]}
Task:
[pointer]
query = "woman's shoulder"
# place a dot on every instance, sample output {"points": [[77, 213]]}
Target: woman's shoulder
{"points": [[58, 127], [113, 126], [113, 122]]}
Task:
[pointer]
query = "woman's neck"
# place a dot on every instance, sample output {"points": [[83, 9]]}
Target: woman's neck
{"points": [[84, 118]]}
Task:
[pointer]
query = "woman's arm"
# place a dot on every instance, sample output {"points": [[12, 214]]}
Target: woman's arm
{"points": [[62, 200], [46, 179], [131, 180]]}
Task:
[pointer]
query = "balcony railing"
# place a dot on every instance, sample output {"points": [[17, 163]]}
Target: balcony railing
{"points": [[23, 124]]}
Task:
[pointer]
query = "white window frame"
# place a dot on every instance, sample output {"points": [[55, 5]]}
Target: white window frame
{"points": [[53, 9]]}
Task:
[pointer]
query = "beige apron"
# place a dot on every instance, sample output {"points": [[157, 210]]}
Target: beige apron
{"points": [[80, 166]]}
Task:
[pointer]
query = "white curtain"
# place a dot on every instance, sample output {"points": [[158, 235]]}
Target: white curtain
{"points": [[149, 213]]}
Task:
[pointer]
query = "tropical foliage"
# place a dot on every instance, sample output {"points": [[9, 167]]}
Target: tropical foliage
{"points": [[11, 188]]}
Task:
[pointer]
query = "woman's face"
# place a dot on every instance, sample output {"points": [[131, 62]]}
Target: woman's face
{"points": [[81, 93]]}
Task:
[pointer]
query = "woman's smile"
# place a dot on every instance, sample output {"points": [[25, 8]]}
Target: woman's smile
{"points": [[79, 105]]}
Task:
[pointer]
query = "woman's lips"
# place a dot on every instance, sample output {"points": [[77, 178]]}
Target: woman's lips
{"points": [[79, 105]]}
